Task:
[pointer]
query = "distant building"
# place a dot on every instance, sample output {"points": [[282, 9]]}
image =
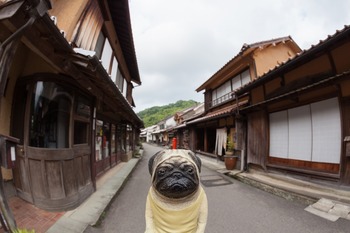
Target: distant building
{"points": [[184, 134], [148, 135]]}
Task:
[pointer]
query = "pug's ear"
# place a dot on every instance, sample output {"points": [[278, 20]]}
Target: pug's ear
{"points": [[151, 161], [196, 159]]}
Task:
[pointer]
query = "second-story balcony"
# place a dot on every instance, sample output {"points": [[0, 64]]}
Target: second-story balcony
{"points": [[222, 99]]}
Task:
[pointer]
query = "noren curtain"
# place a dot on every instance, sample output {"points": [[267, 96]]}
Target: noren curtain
{"points": [[221, 138]]}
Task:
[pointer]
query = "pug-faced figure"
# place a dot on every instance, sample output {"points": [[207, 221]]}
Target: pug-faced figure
{"points": [[176, 201]]}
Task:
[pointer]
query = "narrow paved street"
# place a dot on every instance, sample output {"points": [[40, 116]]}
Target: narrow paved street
{"points": [[233, 207]]}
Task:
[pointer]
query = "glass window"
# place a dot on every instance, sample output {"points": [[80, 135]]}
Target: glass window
{"points": [[107, 56], [223, 93], [81, 132], [121, 130], [120, 81], [50, 116], [103, 136], [224, 89], [99, 45], [129, 138], [106, 139], [118, 138], [125, 88], [114, 70], [113, 139], [98, 138], [19, 109], [236, 82], [245, 77], [82, 121], [83, 108]]}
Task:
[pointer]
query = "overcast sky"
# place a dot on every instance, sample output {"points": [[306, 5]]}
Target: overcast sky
{"points": [[181, 43]]}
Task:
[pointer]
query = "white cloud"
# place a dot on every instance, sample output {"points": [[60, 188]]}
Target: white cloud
{"points": [[180, 44]]}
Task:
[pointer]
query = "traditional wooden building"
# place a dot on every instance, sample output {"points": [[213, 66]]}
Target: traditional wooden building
{"points": [[184, 133], [67, 71], [218, 122], [298, 116]]}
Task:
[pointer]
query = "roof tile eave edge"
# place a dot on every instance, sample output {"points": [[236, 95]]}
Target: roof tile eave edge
{"points": [[129, 44]]}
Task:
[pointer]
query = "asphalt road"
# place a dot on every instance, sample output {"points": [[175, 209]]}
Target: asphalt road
{"points": [[233, 207]]}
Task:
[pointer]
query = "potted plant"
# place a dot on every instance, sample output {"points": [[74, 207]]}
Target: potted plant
{"points": [[230, 157]]}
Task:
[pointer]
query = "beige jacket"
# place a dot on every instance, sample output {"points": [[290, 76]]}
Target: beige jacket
{"points": [[190, 217]]}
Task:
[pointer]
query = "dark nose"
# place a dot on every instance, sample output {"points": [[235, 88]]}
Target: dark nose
{"points": [[177, 175]]}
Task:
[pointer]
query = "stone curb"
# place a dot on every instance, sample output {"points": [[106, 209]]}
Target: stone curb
{"points": [[286, 194]]}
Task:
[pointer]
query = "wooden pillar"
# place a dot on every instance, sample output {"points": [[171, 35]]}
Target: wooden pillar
{"points": [[93, 145], [205, 140], [241, 133]]}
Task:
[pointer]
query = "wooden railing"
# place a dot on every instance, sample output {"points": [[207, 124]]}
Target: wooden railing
{"points": [[221, 99]]}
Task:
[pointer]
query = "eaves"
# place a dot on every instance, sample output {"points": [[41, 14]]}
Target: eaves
{"points": [[120, 14], [217, 114], [48, 42], [92, 68]]}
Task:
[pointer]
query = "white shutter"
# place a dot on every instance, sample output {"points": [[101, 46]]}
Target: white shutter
{"points": [[106, 55], [221, 91], [300, 137], [310, 132], [125, 88], [114, 70], [326, 131], [120, 80], [279, 134]]}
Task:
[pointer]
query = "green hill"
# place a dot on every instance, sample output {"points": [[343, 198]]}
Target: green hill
{"points": [[153, 115]]}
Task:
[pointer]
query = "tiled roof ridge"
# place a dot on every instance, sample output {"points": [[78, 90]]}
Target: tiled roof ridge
{"points": [[265, 42]]}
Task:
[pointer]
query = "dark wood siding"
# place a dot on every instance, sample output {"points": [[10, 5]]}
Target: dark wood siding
{"points": [[207, 100], [60, 178], [345, 160], [257, 138]]}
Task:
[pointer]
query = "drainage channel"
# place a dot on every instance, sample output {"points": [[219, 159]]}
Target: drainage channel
{"points": [[214, 180]]}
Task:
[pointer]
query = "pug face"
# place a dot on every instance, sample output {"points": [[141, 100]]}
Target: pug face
{"points": [[176, 176]]}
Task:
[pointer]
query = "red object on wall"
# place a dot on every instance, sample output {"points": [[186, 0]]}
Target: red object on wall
{"points": [[174, 143]]}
